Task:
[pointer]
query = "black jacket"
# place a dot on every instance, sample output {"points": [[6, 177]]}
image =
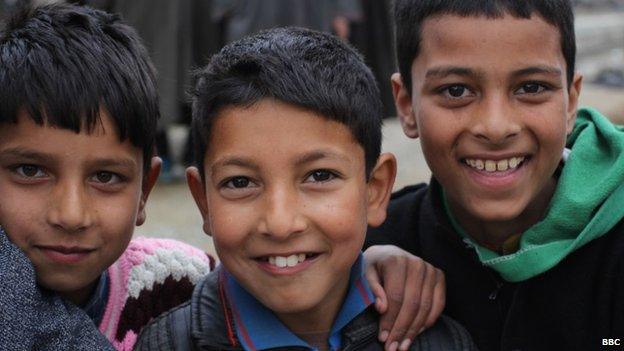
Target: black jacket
{"points": [[573, 306], [205, 323]]}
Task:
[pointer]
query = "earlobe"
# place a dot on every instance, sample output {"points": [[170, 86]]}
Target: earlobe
{"points": [[573, 97], [403, 103], [198, 190], [380, 188], [149, 181]]}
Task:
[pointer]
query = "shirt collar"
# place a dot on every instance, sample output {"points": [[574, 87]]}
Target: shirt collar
{"points": [[258, 328], [95, 307]]}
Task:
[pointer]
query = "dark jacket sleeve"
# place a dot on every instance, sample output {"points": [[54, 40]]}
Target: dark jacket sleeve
{"points": [[445, 335], [171, 331]]}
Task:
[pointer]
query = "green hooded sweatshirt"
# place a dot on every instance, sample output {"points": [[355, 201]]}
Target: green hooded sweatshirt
{"points": [[588, 202]]}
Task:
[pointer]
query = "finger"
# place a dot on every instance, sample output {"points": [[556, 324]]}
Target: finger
{"points": [[375, 284], [426, 301], [414, 279], [439, 299], [394, 281]]}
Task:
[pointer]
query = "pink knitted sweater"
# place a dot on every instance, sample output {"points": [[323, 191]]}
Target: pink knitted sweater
{"points": [[152, 276]]}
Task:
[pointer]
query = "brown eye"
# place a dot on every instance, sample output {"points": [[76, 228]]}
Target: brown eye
{"points": [[238, 182], [320, 176], [29, 171], [456, 90], [104, 177], [531, 88]]}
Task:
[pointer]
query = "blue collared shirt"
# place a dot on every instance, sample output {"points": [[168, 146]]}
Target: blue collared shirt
{"points": [[257, 327], [95, 307]]}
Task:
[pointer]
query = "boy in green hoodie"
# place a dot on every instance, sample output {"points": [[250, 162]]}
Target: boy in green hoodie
{"points": [[524, 210]]}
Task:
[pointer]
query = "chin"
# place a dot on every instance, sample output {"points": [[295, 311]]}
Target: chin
{"points": [[282, 305], [498, 212]]}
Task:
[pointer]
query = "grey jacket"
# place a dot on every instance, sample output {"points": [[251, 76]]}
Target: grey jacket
{"points": [[34, 319], [205, 323]]}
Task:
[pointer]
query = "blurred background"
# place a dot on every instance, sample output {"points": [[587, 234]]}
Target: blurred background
{"points": [[181, 35]]}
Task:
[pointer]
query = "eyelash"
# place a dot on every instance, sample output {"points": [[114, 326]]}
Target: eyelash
{"points": [[119, 177], [228, 183], [332, 175], [542, 87], [19, 170], [444, 91]]}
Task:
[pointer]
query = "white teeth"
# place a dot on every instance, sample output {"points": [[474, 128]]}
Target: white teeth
{"points": [[290, 261], [513, 162], [281, 261], [493, 166], [502, 165]]}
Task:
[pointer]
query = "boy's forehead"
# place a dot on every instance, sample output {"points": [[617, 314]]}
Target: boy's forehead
{"points": [[479, 40], [271, 126], [45, 139]]}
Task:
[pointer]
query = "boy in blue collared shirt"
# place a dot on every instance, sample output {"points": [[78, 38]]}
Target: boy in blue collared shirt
{"points": [[287, 126]]}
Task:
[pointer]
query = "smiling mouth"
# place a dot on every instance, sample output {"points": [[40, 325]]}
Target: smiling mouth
{"points": [[493, 166], [288, 261], [65, 255]]}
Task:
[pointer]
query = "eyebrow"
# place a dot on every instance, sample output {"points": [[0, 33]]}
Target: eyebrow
{"points": [[234, 161], [303, 159], [445, 71], [318, 155], [548, 70], [114, 162], [19, 152], [42, 157]]}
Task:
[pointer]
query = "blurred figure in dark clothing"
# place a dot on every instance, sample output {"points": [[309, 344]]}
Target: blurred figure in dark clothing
{"points": [[373, 37], [245, 17]]}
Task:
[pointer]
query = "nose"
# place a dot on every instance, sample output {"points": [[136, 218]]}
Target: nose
{"points": [[69, 209], [495, 121], [283, 215]]}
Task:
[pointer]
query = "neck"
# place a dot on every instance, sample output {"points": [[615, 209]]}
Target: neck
{"points": [[318, 319], [493, 234], [81, 296]]}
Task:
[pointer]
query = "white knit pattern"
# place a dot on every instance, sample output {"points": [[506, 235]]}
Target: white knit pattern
{"points": [[162, 264]]}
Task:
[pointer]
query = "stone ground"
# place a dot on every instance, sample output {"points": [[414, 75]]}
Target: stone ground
{"points": [[171, 212]]}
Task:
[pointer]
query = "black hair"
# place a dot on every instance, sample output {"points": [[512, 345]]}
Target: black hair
{"points": [[63, 63], [312, 70], [409, 16]]}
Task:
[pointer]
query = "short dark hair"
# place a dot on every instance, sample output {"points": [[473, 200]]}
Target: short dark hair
{"points": [[61, 63], [409, 16], [305, 68]]}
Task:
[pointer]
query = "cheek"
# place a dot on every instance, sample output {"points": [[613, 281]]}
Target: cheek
{"points": [[20, 215], [229, 223], [118, 215], [342, 218]]}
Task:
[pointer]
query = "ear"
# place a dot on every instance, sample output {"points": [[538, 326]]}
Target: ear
{"points": [[198, 190], [149, 180], [573, 98], [380, 188], [403, 103]]}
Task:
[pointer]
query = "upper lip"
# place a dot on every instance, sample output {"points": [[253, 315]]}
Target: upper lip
{"points": [[66, 249]]}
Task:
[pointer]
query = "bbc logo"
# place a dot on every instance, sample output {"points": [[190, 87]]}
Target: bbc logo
{"points": [[611, 342]]}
